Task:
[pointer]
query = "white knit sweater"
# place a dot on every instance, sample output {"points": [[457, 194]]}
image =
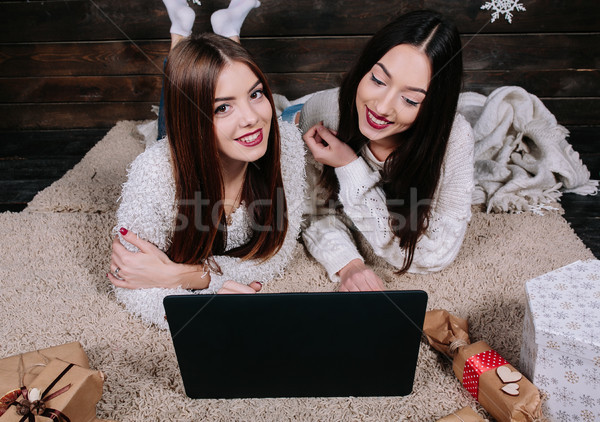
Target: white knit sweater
{"points": [[328, 235], [148, 208]]}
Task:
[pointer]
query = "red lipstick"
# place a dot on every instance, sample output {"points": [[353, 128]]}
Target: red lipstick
{"points": [[251, 139], [370, 115]]}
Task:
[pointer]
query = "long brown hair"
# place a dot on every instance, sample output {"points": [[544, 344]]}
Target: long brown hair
{"points": [[191, 75], [411, 172]]}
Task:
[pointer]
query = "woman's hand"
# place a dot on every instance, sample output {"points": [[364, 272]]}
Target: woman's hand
{"points": [[231, 286], [357, 277], [327, 148], [151, 267]]}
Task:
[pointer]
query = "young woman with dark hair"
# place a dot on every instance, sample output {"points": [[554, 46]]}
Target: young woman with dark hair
{"points": [[396, 155], [215, 205]]}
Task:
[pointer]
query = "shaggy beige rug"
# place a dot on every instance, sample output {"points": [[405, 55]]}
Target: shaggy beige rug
{"points": [[55, 255]]}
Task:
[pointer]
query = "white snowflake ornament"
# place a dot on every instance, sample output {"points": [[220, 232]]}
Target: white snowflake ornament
{"points": [[505, 7]]}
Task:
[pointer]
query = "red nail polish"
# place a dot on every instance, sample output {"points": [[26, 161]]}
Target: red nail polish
{"points": [[123, 231]]}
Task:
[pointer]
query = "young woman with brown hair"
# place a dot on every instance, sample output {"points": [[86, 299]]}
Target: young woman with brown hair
{"points": [[397, 157], [217, 204]]}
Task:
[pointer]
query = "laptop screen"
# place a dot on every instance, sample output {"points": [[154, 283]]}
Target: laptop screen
{"points": [[297, 344]]}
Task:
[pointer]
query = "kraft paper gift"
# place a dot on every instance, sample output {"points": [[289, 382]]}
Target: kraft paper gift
{"points": [[475, 367], [18, 370], [466, 414], [65, 392]]}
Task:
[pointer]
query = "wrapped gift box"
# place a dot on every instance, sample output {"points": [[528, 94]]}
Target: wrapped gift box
{"points": [[561, 340], [71, 390], [35, 368], [22, 368]]}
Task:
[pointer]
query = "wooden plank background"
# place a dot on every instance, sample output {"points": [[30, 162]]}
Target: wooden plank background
{"points": [[87, 64]]}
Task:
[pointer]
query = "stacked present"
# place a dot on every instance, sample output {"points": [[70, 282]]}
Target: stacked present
{"points": [[50, 384], [561, 340]]}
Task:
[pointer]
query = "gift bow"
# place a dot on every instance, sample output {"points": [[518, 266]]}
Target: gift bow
{"points": [[29, 409]]}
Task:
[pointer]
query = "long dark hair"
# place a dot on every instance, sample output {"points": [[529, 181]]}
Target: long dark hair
{"points": [[412, 171], [191, 75]]}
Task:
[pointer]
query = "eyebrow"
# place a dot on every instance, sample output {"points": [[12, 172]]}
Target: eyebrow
{"points": [[410, 88], [257, 83]]}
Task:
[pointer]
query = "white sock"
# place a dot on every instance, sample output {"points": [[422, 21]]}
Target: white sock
{"points": [[228, 22], [182, 16]]}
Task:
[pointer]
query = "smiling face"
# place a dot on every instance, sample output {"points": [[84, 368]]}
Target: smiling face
{"points": [[389, 96], [242, 116]]}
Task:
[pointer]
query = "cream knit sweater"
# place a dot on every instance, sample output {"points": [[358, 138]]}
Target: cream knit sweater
{"points": [[328, 234], [148, 208]]}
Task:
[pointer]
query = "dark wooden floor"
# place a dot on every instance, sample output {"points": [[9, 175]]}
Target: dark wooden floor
{"points": [[32, 160], [583, 212]]}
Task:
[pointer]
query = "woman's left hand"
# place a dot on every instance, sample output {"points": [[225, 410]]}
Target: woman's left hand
{"points": [[327, 148], [232, 287], [150, 267]]}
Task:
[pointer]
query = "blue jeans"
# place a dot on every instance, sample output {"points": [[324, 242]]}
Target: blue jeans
{"points": [[162, 129], [289, 113]]}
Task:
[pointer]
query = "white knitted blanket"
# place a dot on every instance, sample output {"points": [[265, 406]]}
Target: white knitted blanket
{"points": [[522, 158]]}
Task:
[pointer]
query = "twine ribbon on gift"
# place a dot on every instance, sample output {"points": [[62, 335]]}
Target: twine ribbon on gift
{"points": [[11, 396], [29, 409], [455, 345], [477, 365], [459, 418], [24, 371]]}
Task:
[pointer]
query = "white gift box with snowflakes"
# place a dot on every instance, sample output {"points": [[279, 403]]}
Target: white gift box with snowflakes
{"points": [[560, 352]]}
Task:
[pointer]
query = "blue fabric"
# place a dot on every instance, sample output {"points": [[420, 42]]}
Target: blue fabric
{"points": [[289, 113]]}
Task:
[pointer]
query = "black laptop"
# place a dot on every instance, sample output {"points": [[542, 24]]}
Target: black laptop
{"points": [[297, 344]]}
